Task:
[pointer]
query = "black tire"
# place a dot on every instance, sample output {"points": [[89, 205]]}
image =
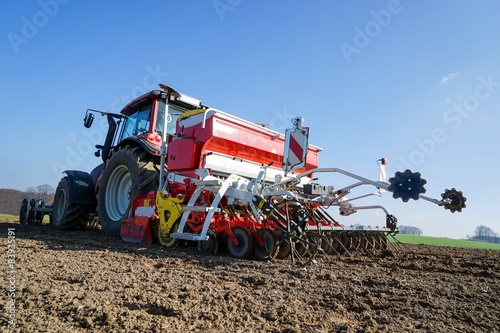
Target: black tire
{"points": [[209, 246], [244, 247], [130, 172], [24, 211], [31, 215], [40, 203], [270, 245], [284, 248], [65, 214]]}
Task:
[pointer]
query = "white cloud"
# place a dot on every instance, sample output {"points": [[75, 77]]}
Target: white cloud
{"points": [[448, 77]]}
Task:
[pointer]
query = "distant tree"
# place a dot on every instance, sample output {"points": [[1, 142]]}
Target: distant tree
{"points": [[484, 234], [44, 191], [410, 230], [10, 200], [31, 192]]}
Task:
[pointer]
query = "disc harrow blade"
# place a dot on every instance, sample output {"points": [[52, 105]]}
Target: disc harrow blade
{"points": [[453, 200], [407, 185]]}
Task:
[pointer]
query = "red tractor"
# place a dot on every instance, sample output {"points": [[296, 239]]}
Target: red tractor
{"points": [[131, 162]]}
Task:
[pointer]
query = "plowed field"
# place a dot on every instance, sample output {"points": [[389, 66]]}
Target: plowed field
{"points": [[86, 281]]}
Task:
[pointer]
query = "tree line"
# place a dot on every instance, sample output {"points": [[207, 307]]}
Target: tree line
{"points": [[481, 234], [409, 230], [10, 200], [484, 234]]}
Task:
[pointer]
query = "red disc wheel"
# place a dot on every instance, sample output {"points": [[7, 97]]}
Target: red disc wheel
{"points": [[244, 247], [270, 245]]}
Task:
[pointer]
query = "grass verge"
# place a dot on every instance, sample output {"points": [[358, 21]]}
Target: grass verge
{"points": [[441, 241]]}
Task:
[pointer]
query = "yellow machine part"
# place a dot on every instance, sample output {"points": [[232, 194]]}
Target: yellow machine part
{"points": [[169, 210]]}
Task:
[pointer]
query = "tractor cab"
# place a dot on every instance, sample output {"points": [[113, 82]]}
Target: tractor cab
{"points": [[145, 119], [141, 122]]}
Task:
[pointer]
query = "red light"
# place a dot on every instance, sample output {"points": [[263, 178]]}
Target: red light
{"points": [[157, 138], [150, 137]]}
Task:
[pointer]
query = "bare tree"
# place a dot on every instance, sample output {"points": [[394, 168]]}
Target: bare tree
{"points": [[409, 230], [31, 192], [484, 234], [44, 191]]}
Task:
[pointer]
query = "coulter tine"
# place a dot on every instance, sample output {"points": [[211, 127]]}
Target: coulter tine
{"points": [[398, 243], [395, 243], [363, 242]]}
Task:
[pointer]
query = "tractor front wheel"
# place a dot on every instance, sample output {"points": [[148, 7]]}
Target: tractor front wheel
{"points": [[130, 172]]}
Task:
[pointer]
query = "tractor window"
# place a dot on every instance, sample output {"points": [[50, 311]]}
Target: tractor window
{"points": [[172, 116], [138, 122]]}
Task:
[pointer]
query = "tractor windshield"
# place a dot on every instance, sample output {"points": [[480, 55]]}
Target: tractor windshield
{"points": [[138, 122], [172, 116]]}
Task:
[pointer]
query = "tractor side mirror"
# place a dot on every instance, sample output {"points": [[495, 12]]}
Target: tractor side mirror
{"points": [[88, 120]]}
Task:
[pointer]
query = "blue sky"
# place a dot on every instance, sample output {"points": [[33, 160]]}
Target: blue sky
{"points": [[415, 81]]}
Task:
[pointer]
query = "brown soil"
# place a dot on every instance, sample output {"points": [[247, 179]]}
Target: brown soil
{"points": [[87, 281]]}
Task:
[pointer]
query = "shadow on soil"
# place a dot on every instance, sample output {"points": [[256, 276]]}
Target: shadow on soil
{"points": [[96, 240]]}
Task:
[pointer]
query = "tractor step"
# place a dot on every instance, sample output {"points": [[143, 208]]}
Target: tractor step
{"points": [[188, 236]]}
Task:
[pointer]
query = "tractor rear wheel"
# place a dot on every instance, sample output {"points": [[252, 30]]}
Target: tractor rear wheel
{"points": [[130, 172], [66, 214]]}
